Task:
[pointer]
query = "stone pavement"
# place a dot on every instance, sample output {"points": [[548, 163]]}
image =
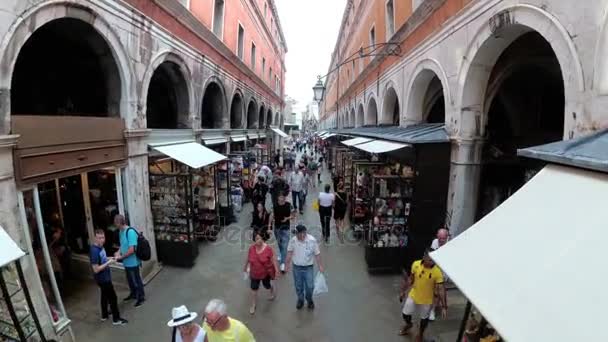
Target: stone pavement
{"points": [[359, 306]]}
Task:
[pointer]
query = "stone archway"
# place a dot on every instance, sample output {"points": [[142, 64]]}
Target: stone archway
{"points": [[360, 116], [428, 94], [252, 111], [214, 106], [236, 110], [167, 100], [269, 117], [261, 115], [390, 108], [371, 116]]}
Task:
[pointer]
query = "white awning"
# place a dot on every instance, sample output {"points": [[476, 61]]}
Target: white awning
{"points": [[192, 154], [9, 251], [252, 136], [279, 132], [215, 141], [329, 135], [238, 138], [380, 146], [356, 141], [535, 267], [262, 135]]}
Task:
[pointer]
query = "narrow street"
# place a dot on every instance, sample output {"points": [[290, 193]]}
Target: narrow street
{"points": [[359, 306]]}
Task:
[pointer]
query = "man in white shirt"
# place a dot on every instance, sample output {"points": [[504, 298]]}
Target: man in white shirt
{"points": [[302, 251], [296, 184]]}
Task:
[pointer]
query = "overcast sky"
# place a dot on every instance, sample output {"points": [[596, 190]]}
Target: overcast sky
{"points": [[311, 29]]}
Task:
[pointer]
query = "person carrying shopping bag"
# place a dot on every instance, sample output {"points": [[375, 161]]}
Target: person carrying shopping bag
{"points": [[302, 252], [326, 202], [263, 268]]}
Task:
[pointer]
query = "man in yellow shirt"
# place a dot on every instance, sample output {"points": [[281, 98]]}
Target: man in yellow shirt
{"points": [[425, 281], [221, 328]]}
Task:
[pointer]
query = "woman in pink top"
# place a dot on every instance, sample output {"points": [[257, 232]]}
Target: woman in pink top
{"points": [[263, 267]]}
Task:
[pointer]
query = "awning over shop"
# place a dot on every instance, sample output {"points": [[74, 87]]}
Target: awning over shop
{"points": [[329, 135], [380, 146], [262, 135], [589, 152], [279, 132], [534, 266], [252, 136], [215, 141], [356, 141], [415, 134], [192, 154], [9, 251], [238, 138]]}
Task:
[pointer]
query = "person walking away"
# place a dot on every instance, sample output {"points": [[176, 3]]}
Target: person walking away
{"points": [[263, 268], [281, 216], [126, 254], [312, 172], [326, 202], [184, 328], [222, 328], [260, 189], [261, 219], [305, 185], [302, 252], [100, 263], [277, 159], [296, 183], [425, 281], [340, 204], [279, 186]]}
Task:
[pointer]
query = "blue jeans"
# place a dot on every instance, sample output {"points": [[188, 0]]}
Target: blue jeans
{"points": [[135, 284], [299, 196], [282, 236], [304, 282]]}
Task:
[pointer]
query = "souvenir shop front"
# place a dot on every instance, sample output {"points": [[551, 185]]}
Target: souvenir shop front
{"points": [[398, 191], [564, 206], [238, 141], [189, 198]]}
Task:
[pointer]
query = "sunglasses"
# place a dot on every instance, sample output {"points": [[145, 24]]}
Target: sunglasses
{"points": [[213, 324]]}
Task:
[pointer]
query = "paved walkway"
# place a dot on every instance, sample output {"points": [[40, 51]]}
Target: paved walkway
{"points": [[359, 306]]}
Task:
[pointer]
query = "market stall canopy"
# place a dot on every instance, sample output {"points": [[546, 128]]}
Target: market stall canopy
{"points": [[279, 132], [535, 267], [238, 138], [192, 154], [262, 135], [356, 141], [380, 146], [329, 135], [588, 152], [215, 141], [9, 251], [415, 134], [252, 136]]}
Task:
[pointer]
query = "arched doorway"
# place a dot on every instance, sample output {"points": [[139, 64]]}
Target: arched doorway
{"points": [[261, 117], [426, 101], [236, 111], [390, 109], [269, 117], [371, 117], [360, 116], [167, 100], [252, 115], [213, 106], [524, 101], [352, 121], [59, 73]]}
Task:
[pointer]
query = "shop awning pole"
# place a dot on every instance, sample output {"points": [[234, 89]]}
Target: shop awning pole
{"points": [[463, 324]]}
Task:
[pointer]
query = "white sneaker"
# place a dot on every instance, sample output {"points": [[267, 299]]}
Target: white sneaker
{"points": [[432, 314], [283, 268]]}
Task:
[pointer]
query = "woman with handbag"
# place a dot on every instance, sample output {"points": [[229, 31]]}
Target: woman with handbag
{"points": [[340, 210], [263, 268], [260, 221]]}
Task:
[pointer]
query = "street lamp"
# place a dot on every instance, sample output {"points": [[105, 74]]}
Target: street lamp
{"points": [[319, 90]]}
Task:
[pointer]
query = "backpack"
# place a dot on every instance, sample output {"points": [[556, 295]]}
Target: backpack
{"points": [[143, 250]]}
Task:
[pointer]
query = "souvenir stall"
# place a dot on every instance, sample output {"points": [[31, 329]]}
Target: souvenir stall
{"points": [[18, 319], [224, 188], [261, 154], [183, 200], [238, 179], [361, 193]]}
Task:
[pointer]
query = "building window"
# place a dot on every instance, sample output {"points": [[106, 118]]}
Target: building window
{"points": [[272, 25], [390, 20], [265, 9], [361, 62], [218, 18], [241, 38], [185, 3], [270, 74], [253, 56], [372, 36], [263, 67]]}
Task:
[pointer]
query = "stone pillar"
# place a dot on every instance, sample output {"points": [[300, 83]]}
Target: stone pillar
{"points": [[137, 193], [465, 174]]}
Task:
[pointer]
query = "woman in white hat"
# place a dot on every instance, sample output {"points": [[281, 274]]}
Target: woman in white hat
{"points": [[184, 328]]}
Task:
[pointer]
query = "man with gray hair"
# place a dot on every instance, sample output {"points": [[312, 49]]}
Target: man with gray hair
{"points": [[222, 328]]}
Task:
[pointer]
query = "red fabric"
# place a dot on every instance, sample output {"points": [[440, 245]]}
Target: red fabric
{"points": [[261, 265]]}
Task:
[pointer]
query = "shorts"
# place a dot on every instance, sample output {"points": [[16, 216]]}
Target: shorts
{"points": [[255, 283], [422, 310]]}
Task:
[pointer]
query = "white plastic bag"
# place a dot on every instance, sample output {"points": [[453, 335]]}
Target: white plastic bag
{"points": [[320, 285], [245, 276]]}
